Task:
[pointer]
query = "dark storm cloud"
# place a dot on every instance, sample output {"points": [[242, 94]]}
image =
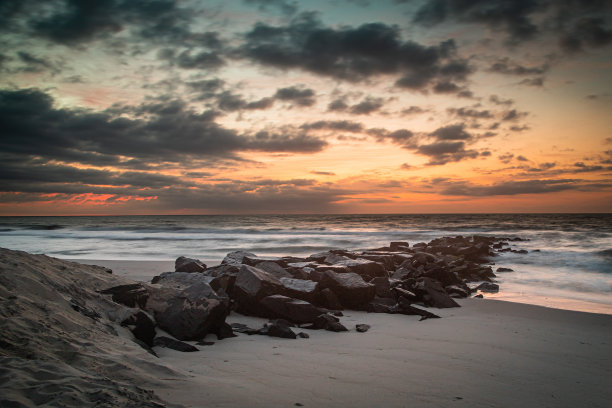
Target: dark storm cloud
{"points": [[297, 95], [575, 23], [509, 188], [351, 54], [165, 130], [514, 16], [586, 32], [75, 21]]}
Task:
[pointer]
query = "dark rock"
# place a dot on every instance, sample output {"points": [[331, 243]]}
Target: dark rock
{"points": [[479, 296], [278, 328], [251, 286], [189, 314], [243, 328], [504, 270], [363, 267], [294, 310], [173, 344], [398, 246], [333, 268], [401, 292], [205, 343], [349, 287], [300, 289], [432, 294], [362, 328], [328, 322], [235, 258], [131, 295], [224, 332], [181, 280], [273, 269], [488, 287], [404, 272], [406, 308], [383, 287], [303, 335], [223, 270], [142, 327], [459, 291], [328, 299], [183, 264], [223, 284], [382, 305]]}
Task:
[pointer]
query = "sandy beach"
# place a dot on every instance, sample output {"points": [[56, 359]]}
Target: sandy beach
{"points": [[487, 353]]}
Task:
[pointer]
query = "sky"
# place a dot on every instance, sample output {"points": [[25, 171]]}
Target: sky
{"points": [[113, 107]]}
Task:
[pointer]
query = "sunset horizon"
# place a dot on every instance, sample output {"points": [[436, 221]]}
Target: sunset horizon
{"points": [[273, 106]]}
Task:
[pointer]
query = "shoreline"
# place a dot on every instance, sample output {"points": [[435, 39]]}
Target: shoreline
{"points": [[144, 271], [486, 353]]}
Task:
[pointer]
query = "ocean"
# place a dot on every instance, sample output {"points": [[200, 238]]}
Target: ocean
{"points": [[572, 269]]}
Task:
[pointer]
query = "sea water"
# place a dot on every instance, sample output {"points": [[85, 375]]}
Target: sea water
{"points": [[569, 263]]}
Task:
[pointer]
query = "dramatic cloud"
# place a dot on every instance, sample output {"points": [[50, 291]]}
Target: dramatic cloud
{"points": [[166, 131], [445, 152], [451, 132], [299, 96], [352, 54]]}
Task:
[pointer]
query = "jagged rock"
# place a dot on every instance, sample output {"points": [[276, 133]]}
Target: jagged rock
{"points": [[408, 295], [362, 328], [235, 258], [432, 294], [328, 299], [223, 270], [273, 269], [180, 280], [328, 322], [404, 307], [383, 287], [504, 270], [382, 305], [251, 286], [488, 287], [142, 327], [243, 328], [300, 288], [404, 272], [458, 291], [224, 332], [189, 314], [398, 245], [223, 284], [333, 268], [332, 259], [363, 267], [293, 310], [183, 264], [350, 288], [131, 295], [278, 328], [173, 344]]}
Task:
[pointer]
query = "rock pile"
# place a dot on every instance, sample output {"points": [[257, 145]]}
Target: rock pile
{"points": [[309, 292]]}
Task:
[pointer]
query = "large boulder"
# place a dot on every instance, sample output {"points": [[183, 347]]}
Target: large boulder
{"points": [[189, 314], [142, 327], [433, 294], [383, 287], [235, 258], [351, 289], [273, 269], [294, 310], [328, 299], [180, 280], [363, 267], [183, 264], [252, 285], [300, 288]]}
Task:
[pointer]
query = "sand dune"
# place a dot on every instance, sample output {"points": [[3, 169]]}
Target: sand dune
{"points": [[487, 353]]}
